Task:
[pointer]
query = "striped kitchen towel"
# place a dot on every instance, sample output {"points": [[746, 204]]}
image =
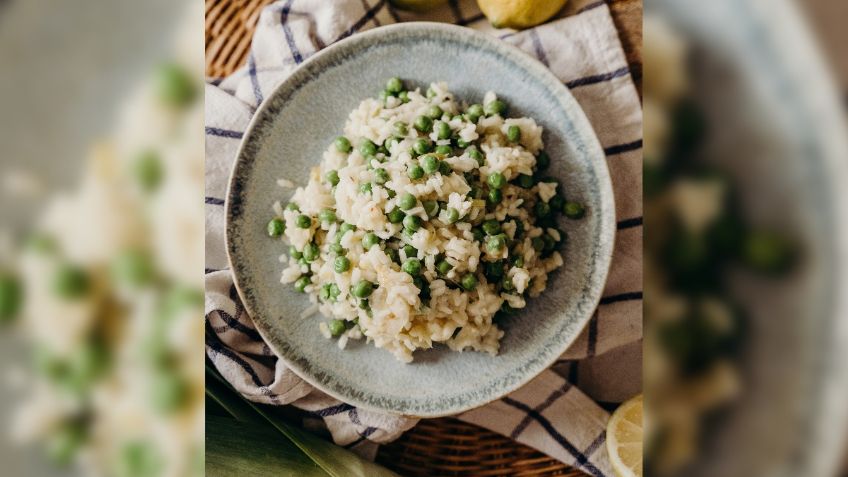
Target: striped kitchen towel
{"points": [[558, 412]]}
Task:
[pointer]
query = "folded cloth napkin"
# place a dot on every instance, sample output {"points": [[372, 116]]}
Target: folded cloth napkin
{"points": [[551, 413]]}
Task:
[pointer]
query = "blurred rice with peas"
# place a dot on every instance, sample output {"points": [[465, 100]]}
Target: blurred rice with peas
{"points": [[105, 288]]}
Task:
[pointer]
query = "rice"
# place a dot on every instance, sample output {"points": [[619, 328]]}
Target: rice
{"points": [[459, 243]]}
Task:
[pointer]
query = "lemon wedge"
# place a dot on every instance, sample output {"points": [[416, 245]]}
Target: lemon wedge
{"points": [[624, 438], [519, 14]]}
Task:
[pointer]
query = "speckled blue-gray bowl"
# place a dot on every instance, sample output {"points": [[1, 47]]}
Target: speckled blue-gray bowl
{"points": [[288, 135]]}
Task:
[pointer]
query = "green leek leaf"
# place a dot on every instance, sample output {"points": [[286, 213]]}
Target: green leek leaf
{"points": [[335, 461], [237, 448]]}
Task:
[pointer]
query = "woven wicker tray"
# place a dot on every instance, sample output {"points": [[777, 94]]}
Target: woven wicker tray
{"points": [[435, 447]]}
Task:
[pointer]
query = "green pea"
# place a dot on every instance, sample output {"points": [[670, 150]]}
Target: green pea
{"points": [[542, 209], [367, 148], [415, 172], [40, 243], [404, 96], [327, 216], [133, 267], [557, 203], [346, 227], [474, 112], [174, 85], [538, 244], [407, 201], [549, 243], [334, 291], [495, 107], [423, 124], [383, 96], [443, 130], [431, 93], [301, 284], [400, 129], [422, 146], [493, 270], [303, 221], [543, 160], [394, 85], [412, 266], [462, 143], [336, 327], [71, 282], [433, 112], [475, 154], [452, 215], [429, 163], [573, 210], [431, 208], [443, 267], [294, 253], [478, 233], [475, 192], [496, 243], [337, 249], [445, 168], [149, 171], [496, 180], [369, 240], [324, 293], [444, 150], [507, 284], [276, 227], [524, 181], [410, 251], [343, 144], [11, 297], [513, 133], [412, 223], [332, 177], [468, 282], [392, 194], [518, 261], [392, 254], [310, 252], [341, 264], [396, 216], [381, 149], [365, 188], [363, 289], [65, 442], [491, 227], [381, 176], [495, 197]]}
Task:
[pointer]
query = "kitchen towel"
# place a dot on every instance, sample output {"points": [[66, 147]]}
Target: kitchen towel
{"points": [[551, 413]]}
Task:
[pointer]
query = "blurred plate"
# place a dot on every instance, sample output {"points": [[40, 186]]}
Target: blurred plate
{"points": [[289, 134], [777, 126]]}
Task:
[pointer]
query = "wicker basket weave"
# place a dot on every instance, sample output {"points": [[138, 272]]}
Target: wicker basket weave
{"points": [[435, 447]]}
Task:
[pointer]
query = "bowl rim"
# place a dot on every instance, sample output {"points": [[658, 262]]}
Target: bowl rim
{"points": [[607, 217]]}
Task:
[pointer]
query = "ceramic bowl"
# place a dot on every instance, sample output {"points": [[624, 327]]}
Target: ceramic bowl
{"points": [[289, 134]]}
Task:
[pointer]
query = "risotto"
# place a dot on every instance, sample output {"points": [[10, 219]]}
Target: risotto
{"points": [[426, 222]]}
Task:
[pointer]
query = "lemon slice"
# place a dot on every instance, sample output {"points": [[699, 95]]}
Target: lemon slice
{"points": [[519, 14], [624, 438]]}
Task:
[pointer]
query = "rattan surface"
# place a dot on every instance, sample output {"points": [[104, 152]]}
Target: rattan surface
{"points": [[435, 447]]}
